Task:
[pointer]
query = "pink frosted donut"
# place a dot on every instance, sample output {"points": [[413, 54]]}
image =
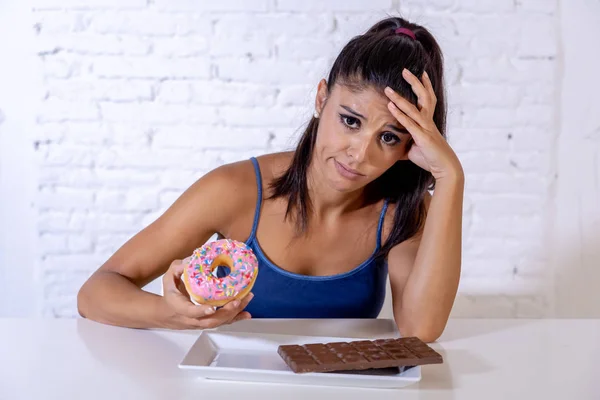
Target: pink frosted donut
{"points": [[206, 288]]}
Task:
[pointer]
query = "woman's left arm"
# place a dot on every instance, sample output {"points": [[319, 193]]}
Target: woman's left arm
{"points": [[425, 270]]}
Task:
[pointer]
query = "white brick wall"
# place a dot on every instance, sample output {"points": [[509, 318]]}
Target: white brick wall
{"points": [[140, 98], [576, 232]]}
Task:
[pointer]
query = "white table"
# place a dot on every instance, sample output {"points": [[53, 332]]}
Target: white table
{"points": [[483, 359]]}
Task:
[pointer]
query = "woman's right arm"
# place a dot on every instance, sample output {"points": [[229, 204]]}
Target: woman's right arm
{"points": [[113, 293]]}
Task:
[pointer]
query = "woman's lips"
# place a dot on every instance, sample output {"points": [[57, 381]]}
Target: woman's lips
{"points": [[347, 172]]}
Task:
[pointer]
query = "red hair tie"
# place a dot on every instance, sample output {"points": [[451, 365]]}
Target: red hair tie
{"points": [[406, 31]]}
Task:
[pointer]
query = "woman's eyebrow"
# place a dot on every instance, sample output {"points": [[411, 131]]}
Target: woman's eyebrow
{"points": [[353, 112], [401, 131]]}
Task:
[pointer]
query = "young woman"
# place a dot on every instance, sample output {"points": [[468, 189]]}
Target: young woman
{"points": [[329, 221]]}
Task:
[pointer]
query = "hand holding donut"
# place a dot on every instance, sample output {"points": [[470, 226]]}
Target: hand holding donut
{"points": [[183, 314], [430, 150]]}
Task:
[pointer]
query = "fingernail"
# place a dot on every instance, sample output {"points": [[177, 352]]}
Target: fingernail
{"points": [[405, 71], [210, 311], [388, 89], [250, 296], [236, 303]]}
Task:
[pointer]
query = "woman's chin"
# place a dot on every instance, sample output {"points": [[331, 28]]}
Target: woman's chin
{"points": [[343, 185]]}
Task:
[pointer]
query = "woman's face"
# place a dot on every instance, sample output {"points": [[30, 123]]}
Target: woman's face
{"points": [[358, 139]]}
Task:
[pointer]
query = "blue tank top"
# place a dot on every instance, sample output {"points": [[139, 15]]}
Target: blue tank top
{"points": [[278, 293]]}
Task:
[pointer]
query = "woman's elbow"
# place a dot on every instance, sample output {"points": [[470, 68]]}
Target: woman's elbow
{"points": [[86, 296], [83, 300], [427, 334]]}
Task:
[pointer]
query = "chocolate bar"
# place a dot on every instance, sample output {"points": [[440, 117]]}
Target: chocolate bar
{"points": [[358, 355]]}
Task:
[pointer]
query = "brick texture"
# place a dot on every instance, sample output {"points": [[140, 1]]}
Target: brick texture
{"points": [[133, 88]]}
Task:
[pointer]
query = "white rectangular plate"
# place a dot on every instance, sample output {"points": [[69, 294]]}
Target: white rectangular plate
{"points": [[243, 356]]}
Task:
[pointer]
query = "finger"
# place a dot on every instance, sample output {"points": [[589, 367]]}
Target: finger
{"points": [[180, 285], [177, 268], [413, 128], [187, 309], [415, 83], [176, 295], [235, 307], [246, 300], [197, 323], [228, 312], [172, 278], [429, 109], [406, 106], [429, 86], [206, 323], [417, 86], [244, 315], [182, 305]]}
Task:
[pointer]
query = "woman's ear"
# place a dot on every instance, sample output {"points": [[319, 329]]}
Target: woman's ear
{"points": [[321, 97]]}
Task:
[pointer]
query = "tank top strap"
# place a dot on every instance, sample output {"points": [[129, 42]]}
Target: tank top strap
{"points": [[380, 226], [258, 200]]}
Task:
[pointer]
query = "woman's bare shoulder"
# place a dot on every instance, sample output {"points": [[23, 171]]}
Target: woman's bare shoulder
{"points": [[273, 165], [232, 186]]}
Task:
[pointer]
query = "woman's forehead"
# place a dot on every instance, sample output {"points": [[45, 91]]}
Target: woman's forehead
{"points": [[367, 96]]}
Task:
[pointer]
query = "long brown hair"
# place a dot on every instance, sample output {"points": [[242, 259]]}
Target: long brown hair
{"points": [[376, 59]]}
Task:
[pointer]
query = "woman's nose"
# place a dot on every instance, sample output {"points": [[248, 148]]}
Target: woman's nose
{"points": [[359, 148]]}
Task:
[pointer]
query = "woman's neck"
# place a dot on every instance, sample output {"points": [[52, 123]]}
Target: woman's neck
{"points": [[326, 202]]}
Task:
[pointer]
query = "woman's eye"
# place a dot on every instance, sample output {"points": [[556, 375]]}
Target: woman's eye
{"points": [[389, 138], [351, 122]]}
